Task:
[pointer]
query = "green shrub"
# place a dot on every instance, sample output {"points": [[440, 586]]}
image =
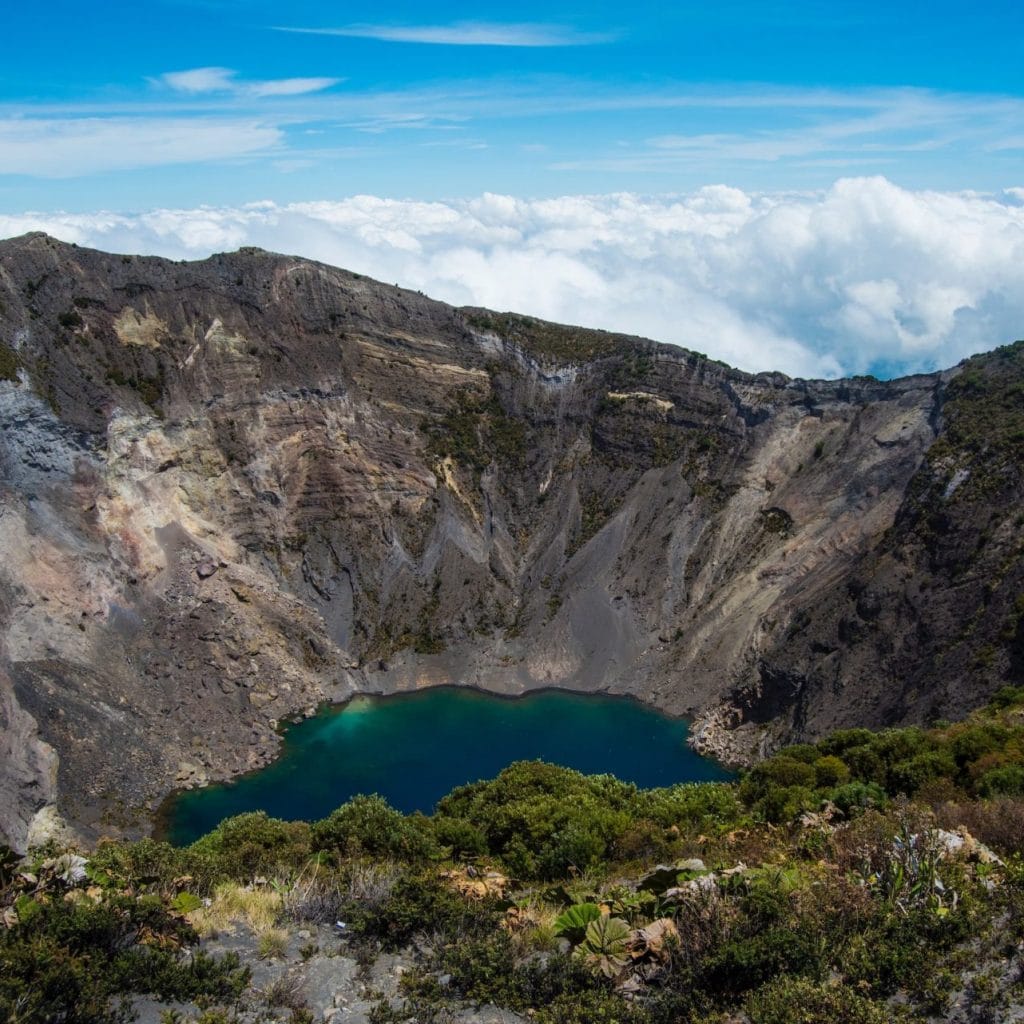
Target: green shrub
{"points": [[854, 797], [866, 764], [846, 739], [1010, 696], [421, 901], [808, 753], [578, 846], [543, 820], [781, 772], [1005, 781], [800, 1001], [780, 805], [460, 836], [146, 862], [369, 825], [909, 776], [901, 951], [744, 963], [830, 771], [591, 1007], [69, 961], [253, 844], [708, 805], [973, 742], [483, 970]]}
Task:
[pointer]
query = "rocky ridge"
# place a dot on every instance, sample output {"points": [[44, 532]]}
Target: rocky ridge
{"points": [[236, 488]]}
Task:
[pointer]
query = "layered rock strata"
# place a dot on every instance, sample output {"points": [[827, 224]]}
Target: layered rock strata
{"points": [[233, 489]]}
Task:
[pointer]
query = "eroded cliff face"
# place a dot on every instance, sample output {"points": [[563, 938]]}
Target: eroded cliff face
{"points": [[236, 488]]}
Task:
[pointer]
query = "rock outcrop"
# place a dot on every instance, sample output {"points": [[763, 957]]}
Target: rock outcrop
{"points": [[233, 489]]}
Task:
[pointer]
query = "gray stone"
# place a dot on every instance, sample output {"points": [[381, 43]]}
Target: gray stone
{"points": [[325, 979]]}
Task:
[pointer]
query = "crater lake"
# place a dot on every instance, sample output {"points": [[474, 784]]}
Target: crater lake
{"points": [[414, 748]]}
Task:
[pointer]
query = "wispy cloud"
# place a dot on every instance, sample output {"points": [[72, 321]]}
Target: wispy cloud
{"points": [[857, 126], [289, 86], [757, 130], [202, 81], [466, 33], [69, 148], [389, 122]]}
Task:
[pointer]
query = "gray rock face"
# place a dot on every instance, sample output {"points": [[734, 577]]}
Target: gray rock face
{"points": [[28, 779], [236, 488]]}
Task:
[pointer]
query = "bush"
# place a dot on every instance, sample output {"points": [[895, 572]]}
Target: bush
{"points": [[369, 825], [846, 739], [999, 822], [909, 776], [710, 806], [460, 836], [779, 772], [253, 844], [747, 962], [69, 960], [783, 805], [830, 771], [591, 1007], [1005, 781], [1008, 696], [973, 742], [422, 902], [858, 796], [800, 1001], [146, 862], [543, 820]]}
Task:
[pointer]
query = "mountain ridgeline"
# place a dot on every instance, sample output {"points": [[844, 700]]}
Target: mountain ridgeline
{"points": [[233, 489]]}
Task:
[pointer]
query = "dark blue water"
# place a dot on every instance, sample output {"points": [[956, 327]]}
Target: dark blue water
{"points": [[415, 748]]}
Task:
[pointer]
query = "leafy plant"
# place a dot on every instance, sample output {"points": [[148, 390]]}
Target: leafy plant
{"points": [[603, 948], [186, 902], [574, 921]]}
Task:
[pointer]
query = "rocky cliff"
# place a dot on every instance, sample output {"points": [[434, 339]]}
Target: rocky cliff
{"points": [[233, 489]]}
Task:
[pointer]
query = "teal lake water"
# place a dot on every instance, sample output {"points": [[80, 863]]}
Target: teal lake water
{"points": [[415, 748]]}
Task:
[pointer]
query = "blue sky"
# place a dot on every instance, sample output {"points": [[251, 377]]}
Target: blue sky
{"points": [[211, 101], [822, 188]]}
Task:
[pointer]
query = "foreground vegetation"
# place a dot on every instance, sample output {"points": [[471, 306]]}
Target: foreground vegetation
{"points": [[867, 878]]}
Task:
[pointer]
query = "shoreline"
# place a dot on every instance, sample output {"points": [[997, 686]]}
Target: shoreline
{"points": [[160, 819]]}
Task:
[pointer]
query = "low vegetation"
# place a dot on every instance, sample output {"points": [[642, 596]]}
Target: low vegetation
{"points": [[9, 363], [475, 432], [984, 412], [870, 877], [546, 341]]}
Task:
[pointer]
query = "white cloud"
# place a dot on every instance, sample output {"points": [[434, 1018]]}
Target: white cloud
{"points": [[820, 128], [863, 276], [465, 33], [199, 81], [71, 147], [290, 86]]}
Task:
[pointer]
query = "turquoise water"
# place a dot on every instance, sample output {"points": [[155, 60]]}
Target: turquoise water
{"points": [[414, 748]]}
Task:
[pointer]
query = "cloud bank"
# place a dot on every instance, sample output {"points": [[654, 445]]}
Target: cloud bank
{"points": [[864, 277]]}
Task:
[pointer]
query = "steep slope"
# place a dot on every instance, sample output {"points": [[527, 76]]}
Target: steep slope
{"points": [[235, 488]]}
